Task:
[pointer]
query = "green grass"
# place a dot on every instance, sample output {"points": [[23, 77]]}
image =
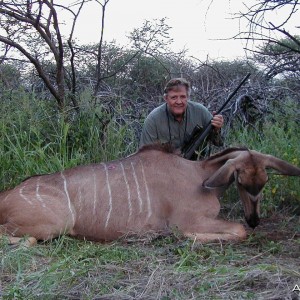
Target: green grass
{"points": [[161, 268], [48, 144]]}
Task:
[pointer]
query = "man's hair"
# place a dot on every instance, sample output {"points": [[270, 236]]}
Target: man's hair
{"points": [[175, 83]]}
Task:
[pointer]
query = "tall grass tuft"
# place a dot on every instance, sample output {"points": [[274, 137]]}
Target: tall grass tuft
{"points": [[35, 141]]}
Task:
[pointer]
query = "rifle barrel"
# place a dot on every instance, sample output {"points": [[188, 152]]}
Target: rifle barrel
{"points": [[233, 93], [195, 145]]}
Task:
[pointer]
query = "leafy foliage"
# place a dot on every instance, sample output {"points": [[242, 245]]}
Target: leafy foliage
{"points": [[281, 58]]}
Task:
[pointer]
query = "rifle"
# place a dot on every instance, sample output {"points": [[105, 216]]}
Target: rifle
{"points": [[198, 136]]}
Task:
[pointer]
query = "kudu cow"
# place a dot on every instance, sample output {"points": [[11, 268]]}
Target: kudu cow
{"points": [[151, 190]]}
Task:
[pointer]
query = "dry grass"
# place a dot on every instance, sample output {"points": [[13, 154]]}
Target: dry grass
{"points": [[158, 266]]}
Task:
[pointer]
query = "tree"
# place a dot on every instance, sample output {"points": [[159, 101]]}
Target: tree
{"points": [[267, 21], [277, 48], [153, 39], [279, 59], [31, 29], [9, 77]]}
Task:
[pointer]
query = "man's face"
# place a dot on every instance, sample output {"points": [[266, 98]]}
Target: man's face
{"points": [[177, 100]]}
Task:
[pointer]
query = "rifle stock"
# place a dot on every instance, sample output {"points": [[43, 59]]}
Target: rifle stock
{"points": [[194, 143]]}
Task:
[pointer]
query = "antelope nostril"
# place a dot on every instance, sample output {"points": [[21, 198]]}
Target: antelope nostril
{"points": [[253, 220]]}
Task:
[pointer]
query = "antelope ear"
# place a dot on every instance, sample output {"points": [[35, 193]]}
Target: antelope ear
{"points": [[281, 166], [222, 177]]}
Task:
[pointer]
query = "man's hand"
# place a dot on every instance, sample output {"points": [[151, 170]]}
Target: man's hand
{"points": [[217, 121]]}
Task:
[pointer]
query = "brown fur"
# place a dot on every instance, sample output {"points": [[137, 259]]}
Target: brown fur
{"points": [[167, 147], [225, 152], [150, 191]]}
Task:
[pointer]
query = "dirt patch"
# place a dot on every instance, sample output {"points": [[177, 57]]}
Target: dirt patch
{"points": [[278, 228]]}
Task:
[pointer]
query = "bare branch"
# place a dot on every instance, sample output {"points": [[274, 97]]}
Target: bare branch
{"points": [[37, 65]]}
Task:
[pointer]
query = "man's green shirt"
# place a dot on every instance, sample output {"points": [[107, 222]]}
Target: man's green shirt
{"points": [[161, 126]]}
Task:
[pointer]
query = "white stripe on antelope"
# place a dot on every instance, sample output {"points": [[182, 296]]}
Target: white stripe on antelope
{"points": [[128, 192], [137, 187], [150, 190]]}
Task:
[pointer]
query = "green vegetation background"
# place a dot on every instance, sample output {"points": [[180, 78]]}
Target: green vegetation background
{"points": [[35, 140]]}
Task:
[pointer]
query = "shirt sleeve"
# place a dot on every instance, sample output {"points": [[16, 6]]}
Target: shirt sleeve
{"points": [[216, 138], [149, 133]]}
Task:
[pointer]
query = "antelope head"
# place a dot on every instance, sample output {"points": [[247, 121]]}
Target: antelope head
{"points": [[249, 170]]}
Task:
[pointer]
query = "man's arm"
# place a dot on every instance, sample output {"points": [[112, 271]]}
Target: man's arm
{"points": [[217, 122], [149, 132]]}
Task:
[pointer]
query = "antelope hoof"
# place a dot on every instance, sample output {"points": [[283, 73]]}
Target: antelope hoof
{"points": [[31, 241], [26, 242]]}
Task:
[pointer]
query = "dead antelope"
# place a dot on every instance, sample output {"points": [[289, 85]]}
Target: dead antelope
{"points": [[150, 190]]}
